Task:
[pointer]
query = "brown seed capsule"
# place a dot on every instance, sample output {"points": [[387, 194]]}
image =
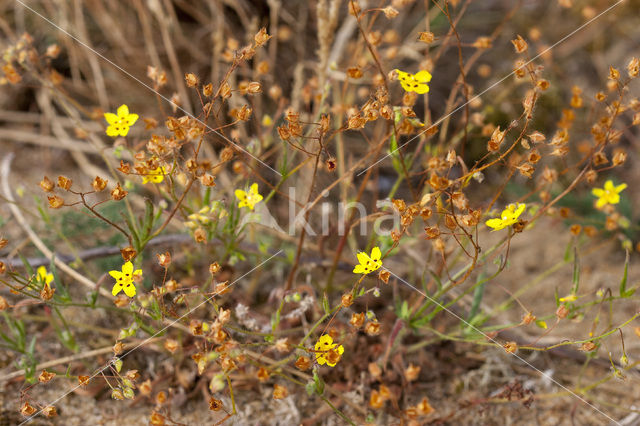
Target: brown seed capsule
{"points": [[47, 184], [426, 37], [354, 72], [357, 320], [303, 363], [562, 312], [191, 79], [214, 268], [118, 348], [64, 182], [3, 268], [118, 193], [375, 400], [384, 275], [99, 184], [83, 380], [3, 242], [528, 318], [128, 253], [520, 44], [510, 347], [372, 328], [280, 392], [215, 404], [47, 292], [27, 409], [424, 407], [411, 373], [346, 300], [171, 345], [588, 347], [50, 411], [3, 303], [45, 376], [262, 374], [200, 235], [55, 202], [261, 37], [164, 259]]}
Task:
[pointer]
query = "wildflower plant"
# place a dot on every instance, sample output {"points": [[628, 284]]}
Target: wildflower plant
{"points": [[259, 168], [120, 122]]}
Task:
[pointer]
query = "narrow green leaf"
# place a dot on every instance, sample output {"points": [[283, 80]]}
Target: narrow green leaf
{"points": [[576, 272], [623, 282]]}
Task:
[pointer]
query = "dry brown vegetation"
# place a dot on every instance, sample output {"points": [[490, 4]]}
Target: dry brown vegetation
{"points": [[190, 260]]}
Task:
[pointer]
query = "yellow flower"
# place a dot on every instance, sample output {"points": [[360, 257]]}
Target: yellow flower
{"points": [[43, 275], [155, 175], [569, 298], [508, 217], [119, 124], [248, 198], [610, 194], [414, 82], [327, 351], [368, 264], [124, 280]]}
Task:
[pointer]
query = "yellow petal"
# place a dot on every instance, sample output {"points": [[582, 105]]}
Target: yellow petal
{"points": [[601, 202], [117, 288], [116, 274], [359, 269], [519, 210], [127, 268], [123, 111], [363, 258], [326, 339], [124, 130], [598, 192], [340, 349], [132, 118], [422, 76], [406, 85], [421, 89], [621, 187], [376, 254], [496, 224], [403, 75], [130, 290], [254, 188], [241, 195], [42, 272], [110, 117], [111, 131]]}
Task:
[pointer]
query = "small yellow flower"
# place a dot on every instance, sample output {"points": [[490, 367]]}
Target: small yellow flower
{"points": [[119, 124], [569, 298], [610, 194], [368, 264], [508, 217], [124, 280], [414, 82], [155, 175], [248, 198], [327, 351], [43, 275]]}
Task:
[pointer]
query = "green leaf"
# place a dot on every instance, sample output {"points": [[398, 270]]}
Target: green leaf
{"points": [[318, 382], [478, 293], [325, 304], [404, 311], [623, 283], [576, 272]]}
